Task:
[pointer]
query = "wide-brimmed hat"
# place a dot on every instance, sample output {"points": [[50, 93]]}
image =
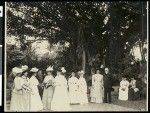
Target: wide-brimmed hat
{"points": [[24, 67], [16, 70], [50, 68], [19, 70], [81, 72], [63, 70], [34, 69]]}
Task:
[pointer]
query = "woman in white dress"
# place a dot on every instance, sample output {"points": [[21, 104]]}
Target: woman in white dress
{"points": [[82, 88], [73, 83], [97, 88], [48, 89], [60, 101], [26, 89], [123, 90], [35, 99], [16, 103]]}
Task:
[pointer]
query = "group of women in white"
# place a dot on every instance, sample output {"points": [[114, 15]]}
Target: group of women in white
{"points": [[58, 93]]}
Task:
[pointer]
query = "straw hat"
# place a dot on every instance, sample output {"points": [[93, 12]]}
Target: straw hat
{"points": [[63, 70], [34, 69], [81, 72], [24, 68], [50, 68], [16, 70], [19, 70]]}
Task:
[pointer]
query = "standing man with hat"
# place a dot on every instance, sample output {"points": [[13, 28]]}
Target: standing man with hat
{"points": [[48, 88], [107, 86]]}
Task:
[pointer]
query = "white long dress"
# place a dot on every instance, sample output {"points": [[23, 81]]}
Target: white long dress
{"points": [[48, 92], [35, 99], [60, 100], [123, 90], [26, 93], [97, 91], [16, 103], [83, 91], [73, 83]]}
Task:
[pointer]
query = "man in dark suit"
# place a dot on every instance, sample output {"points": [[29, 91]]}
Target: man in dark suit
{"points": [[107, 86]]}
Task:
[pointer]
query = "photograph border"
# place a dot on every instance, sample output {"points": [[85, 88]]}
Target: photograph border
{"points": [[4, 63]]}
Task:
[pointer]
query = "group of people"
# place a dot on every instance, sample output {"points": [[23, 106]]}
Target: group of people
{"points": [[130, 90], [58, 93], [101, 87]]}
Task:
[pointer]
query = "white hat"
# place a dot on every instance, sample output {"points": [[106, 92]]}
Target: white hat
{"points": [[14, 70], [34, 69], [102, 66], [50, 68], [25, 67], [106, 68], [81, 72], [63, 70], [136, 89], [19, 70]]}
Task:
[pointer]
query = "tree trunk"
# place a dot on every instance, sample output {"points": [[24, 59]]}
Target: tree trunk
{"points": [[83, 60], [82, 41]]}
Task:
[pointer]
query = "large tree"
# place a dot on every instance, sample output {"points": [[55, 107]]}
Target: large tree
{"points": [[97, 31]]}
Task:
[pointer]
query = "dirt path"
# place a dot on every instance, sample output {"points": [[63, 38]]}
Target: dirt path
{"points": [[97, 107]]}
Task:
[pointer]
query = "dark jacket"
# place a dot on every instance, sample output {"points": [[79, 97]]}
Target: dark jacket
{"points": [[139, 84], [108, 81]]}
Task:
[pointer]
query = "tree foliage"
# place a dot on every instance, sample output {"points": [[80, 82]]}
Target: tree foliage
{"points": [[97, 31]]}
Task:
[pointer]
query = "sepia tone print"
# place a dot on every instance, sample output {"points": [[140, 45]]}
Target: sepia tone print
{"points": [[76, 56]]}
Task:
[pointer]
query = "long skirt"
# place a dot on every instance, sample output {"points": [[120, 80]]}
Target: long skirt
{"points": [[123, 95], [47, 97], [97, 94], [26, 101], [131, 94], [60, 101], [137, 95], [74, 96], [35, 100], [16, 103], [83, 99]]}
